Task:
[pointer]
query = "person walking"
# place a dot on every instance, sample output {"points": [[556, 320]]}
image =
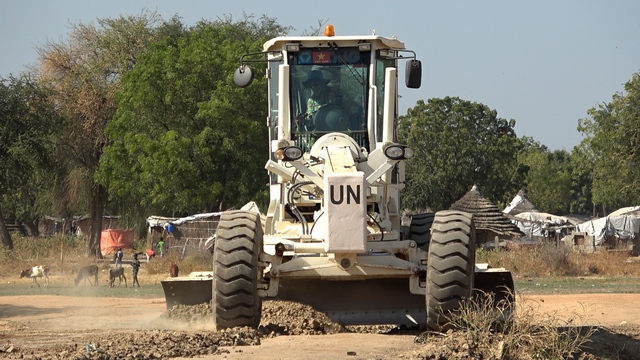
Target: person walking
{"points": [[136, 267], [161, 247], [118, 257]]}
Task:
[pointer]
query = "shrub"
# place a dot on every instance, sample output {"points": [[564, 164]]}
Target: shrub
{"points": [[196, 262], [527, 335], [552, 260], [59, 252]]}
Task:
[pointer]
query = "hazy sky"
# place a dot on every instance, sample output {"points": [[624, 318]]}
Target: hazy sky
{"points": [[542, 63]]}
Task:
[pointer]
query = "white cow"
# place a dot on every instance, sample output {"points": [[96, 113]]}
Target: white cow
{"points": [[35, 273]]}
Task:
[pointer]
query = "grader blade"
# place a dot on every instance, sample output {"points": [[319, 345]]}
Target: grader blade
{"points": [[189, 290], [363, 302], [498, 282]]}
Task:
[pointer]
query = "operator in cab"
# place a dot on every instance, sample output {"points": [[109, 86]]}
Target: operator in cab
{"points": [[320, 94], [326, 110]]}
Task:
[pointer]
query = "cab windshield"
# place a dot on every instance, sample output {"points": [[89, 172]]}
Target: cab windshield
{"points": [[329, 89]]}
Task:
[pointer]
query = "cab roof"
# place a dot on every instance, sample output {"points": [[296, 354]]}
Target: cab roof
{"points": [[377, 42]]}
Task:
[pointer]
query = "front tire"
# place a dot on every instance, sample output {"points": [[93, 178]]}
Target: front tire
{"points": [[450, 266], [236, 270]]}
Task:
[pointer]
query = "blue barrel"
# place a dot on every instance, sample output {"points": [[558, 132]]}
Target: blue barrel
{"points": [[170, 228]]}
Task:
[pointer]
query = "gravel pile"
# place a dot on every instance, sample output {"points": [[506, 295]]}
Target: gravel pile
{"points": [[192, 333], [279, 318]]}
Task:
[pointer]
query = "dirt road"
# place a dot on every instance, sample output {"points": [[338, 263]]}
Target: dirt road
{"points": [[58, 322]]}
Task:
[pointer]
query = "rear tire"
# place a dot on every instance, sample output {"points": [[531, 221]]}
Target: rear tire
{"points": [[450, 266], [420, 229], [236, 270]]}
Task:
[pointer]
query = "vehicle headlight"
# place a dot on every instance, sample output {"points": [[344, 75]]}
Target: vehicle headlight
{"points": [[290, 153], [398, 152], [408, 152]]}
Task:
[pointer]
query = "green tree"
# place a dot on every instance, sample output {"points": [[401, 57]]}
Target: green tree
{"points": [[612, 146], [185, 139], [26, 122], [581, 182], [457, 144], [84, 75], [548, 179]]}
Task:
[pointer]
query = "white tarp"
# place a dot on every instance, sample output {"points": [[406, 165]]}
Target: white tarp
{"points": [[534, 223], [533, 216], [622, 227], [625, 210], [515, 202], [521, 201], [160, 221], [193, 218]]}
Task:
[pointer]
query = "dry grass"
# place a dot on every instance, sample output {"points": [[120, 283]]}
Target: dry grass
{"points": [[530, 334], [66, 254], [199, 262], [551, 260]]}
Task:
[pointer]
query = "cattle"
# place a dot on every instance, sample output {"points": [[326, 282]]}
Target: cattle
{"points": [[85, 273], [173, 270], [117, 273], [35, 272]]}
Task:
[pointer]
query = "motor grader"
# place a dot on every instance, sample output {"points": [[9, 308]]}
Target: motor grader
{"points": [[332, 236]]}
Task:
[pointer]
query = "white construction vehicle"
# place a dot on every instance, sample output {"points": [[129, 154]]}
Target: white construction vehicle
{"points": [[332, 235]]}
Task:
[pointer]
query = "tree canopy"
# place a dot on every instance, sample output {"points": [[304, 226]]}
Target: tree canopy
{"points": [[140, 116], [26, 124], [458, 144], [548, 179], [184, 138], [612, 146], [84, 75]]}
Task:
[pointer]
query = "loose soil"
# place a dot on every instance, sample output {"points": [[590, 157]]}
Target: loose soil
{"points": [[64, 327]]}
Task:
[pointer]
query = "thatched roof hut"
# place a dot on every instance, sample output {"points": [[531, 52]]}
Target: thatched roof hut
{"points": [[489, 220]]}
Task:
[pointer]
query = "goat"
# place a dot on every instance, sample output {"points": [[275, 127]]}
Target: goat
{"points": [[36, 272], [117, 273], [173, 270], [86, 272]]}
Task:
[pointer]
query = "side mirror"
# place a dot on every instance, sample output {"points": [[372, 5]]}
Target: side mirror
{"points": [[243, 76], [413, 74]]}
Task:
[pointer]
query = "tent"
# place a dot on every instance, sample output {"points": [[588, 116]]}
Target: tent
{"points": [[112, 239], [534, 223], [519, 204], [631, 210], [621, 227]]}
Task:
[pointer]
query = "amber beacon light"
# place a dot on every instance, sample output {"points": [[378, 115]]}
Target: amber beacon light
{"points": [[329, 31]]}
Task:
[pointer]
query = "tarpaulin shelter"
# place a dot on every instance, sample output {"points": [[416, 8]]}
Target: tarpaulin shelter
{"points": [[630, 210], [112, 239], [191, 233], [186, 234], [611, 227], [534, 223], [520, 203], [83, 224]]}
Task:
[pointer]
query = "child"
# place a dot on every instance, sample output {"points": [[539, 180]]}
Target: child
{"points": [[118, 257], [161, 247], [136, 267], [150, 253]]}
